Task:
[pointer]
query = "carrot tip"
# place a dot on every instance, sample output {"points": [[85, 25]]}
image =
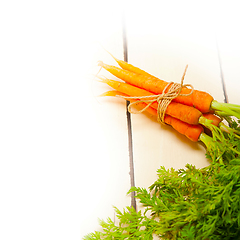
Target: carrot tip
{"points": [[105, 94], [113, 57], [112, 94], [100, 63], [102, 79]]}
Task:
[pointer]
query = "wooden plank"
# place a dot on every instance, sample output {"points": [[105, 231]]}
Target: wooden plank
{"points": [[64, 154], [162, 43], [229, 49], [106, 178]]}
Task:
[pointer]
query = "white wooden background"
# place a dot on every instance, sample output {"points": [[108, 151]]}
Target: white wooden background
{"points": [[64, 157]]}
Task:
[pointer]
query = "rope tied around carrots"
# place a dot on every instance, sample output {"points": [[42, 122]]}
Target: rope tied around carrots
{"points": [[163, 99]]}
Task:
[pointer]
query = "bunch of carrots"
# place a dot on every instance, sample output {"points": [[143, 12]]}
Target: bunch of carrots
{"points": [[190, 113]]}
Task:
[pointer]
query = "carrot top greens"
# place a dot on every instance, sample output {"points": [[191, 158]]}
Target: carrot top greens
{"points": [[187, 203]]}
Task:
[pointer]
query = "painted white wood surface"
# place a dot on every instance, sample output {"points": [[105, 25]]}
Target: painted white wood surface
{"points": [[64, 151], [64, 154], [227, 22]]}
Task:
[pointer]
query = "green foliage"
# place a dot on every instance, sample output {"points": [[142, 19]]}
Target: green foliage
{"points": [[187, 203]]}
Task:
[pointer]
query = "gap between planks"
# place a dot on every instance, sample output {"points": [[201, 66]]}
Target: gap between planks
{"points": [[221, 74], [129, 122]]}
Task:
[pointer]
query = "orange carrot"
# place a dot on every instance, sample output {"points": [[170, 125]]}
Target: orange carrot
{"points": [[215, 119], [192, 132], [177, 110], [199, 99], [130, 67]]}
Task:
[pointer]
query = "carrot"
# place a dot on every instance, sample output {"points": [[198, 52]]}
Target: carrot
{"points": [[156, 86], [130, 67], [177, 110], [192, 132], [217, 121], [198, 99]]}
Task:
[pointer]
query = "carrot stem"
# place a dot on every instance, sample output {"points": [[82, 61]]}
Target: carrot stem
{"points": [[214, 148], [205, 122], [227, 129], [227, 109], [218, 122], [218, 135]]}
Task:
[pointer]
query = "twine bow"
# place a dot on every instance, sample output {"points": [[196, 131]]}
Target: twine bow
{"points": [[163, 99]]}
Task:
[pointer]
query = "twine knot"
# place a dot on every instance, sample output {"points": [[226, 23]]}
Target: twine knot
{"points": [[163, 99]]}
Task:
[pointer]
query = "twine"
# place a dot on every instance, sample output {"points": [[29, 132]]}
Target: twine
{"points": [[163, 99]]}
